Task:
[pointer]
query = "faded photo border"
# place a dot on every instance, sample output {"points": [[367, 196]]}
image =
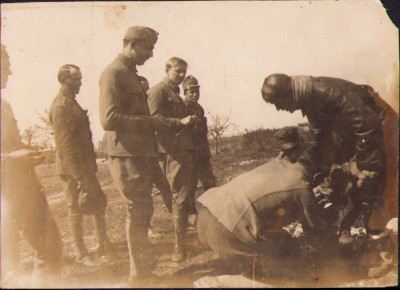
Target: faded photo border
{"points": [[230, 46]]}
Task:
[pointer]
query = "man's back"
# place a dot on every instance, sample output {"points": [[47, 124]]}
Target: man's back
{"points": [[270, 190]]}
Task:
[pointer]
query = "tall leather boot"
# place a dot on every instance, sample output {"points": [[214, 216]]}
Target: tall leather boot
{"points": [[75, 224], [179, 254], [141, 261], [105, 246], [180, 225]]}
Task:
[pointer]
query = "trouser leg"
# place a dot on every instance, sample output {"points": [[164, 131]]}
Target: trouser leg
{"points": [[133, 177], [161, 182], [75, 218], [214, 235], [99, 222], [206, 174], [193, 186], [179, 172]]}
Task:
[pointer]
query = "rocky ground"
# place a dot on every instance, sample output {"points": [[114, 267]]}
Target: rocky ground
{"points": [[330, 270]]}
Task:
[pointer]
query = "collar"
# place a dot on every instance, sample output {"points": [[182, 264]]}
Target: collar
{"points": [[302, 90], [171, 85], [127, 62], [65, 92]]}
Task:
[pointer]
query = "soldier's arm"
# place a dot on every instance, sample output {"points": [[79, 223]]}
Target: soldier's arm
{"points": [[157, 103], [112, 118], [64, 128], [367, 128], [312, 213]]}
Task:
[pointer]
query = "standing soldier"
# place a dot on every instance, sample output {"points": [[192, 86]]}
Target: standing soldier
{"points": [[176, 148], [129, 140], [76, 162], [202, 169], [23, 205]]}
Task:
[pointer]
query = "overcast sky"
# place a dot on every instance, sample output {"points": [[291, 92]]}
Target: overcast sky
{"points": [[230, 47]]}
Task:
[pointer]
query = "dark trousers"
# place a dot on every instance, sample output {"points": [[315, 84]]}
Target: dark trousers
{"points": [[161, 182], [178, 169], [134, 178], [202, 171]]}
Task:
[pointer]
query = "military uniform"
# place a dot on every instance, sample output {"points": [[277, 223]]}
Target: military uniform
{"points": [[129, 141], [76, 165], [176, 149], [244, 218], [23, 205], [202, 169]]}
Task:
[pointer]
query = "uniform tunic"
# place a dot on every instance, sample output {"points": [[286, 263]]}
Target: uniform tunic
{"points": [[175, 146]]}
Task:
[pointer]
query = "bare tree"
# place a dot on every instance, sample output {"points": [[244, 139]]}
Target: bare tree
{"points": [[45, 136], [219, 125], [28, 135]]}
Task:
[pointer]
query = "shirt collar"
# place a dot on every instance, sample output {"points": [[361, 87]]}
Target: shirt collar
{"points": [[65, 92], [127, 62]]}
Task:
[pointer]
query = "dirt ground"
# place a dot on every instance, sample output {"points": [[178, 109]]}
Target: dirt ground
{"points": [[324, 271]]}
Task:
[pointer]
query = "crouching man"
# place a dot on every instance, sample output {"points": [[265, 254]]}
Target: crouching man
{"points": [[245, 217]]}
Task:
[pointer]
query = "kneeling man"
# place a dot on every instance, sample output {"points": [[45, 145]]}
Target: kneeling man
{"points": [[245, 217]]}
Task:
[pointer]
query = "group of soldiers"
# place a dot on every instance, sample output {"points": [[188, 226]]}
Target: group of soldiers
{"points": [[154, 136]]}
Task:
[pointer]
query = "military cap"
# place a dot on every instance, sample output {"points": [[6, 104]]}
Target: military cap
{"points": [[190, 82], [141, 33], [287, 137]]}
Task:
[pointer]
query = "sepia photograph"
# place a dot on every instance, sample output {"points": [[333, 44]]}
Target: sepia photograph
{"points": [[199, 144]]}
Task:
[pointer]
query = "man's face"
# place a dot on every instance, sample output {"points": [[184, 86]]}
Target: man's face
{"points": [[74, 82], [193, 94], [177, 73], [283, 100], [141, 52], [5, 69]]}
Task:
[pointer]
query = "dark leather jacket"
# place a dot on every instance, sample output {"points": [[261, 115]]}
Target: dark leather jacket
{"points": [[340, 114]]}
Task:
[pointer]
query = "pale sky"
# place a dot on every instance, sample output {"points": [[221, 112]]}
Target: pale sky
{"points": [[230, 47]]}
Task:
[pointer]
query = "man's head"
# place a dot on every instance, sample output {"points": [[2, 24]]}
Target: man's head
{"points": [[139, 43], [191, 89], [70, 77], [5, 66], [290, 142], [144, 83], [176, 70], [277, 90]]}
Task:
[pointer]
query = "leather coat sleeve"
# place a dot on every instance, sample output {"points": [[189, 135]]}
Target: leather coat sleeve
{"points": [[366, 126], [65, 130], [112, 117]]}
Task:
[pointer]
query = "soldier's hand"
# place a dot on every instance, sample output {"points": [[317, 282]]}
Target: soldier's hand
{"points": [[186, 121], [26, 155]]}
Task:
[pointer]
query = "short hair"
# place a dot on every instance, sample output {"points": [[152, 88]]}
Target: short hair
{"points": [[65, 71], [274, 85], [174, 61]]}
